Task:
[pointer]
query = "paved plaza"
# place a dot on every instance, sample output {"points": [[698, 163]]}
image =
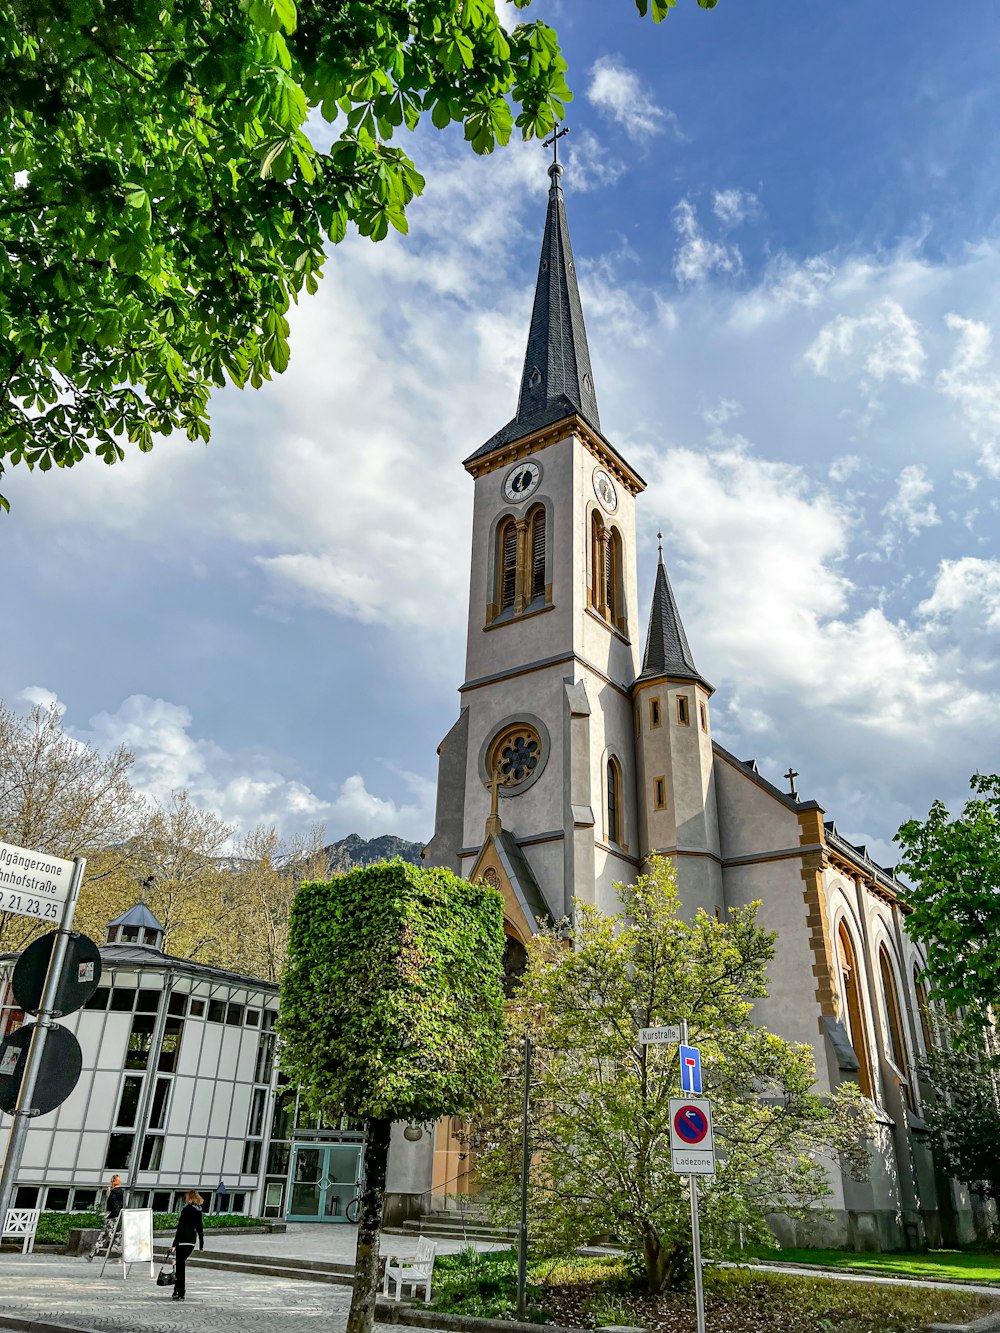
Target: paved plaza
{"points": [[70, 1293]]}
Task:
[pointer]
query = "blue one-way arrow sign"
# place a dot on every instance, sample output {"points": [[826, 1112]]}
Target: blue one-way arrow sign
{"points": [[691, 1070]]}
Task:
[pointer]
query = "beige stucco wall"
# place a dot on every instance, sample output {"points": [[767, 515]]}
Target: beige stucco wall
{"points": [[504, 682]]}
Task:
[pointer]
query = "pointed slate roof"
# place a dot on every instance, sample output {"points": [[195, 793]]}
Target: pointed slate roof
{"points": [[668, 652], [557, 380], [139, 915]]}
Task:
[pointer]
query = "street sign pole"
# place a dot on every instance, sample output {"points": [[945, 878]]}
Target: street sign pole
{"points": [[46, 1019], [522, 1232], [699, 1289]]}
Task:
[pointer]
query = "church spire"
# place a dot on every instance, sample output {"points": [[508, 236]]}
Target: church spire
{"points": [[668, 652], [557, 380], [557, 375]]}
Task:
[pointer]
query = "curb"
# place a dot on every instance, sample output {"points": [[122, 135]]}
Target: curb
{"points": [[986, 1324], [386, 1312], [391, 1312], [40, 1325]]}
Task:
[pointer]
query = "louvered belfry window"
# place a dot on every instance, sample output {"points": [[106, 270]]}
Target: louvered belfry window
{"points": [[538, 554], [508, 576], [609, 575]]}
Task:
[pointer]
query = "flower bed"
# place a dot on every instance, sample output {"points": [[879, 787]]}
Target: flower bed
{"points": [[593, 1293]]}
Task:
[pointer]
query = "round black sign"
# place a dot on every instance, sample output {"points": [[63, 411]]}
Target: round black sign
{"points": [[62, 1061], [80, 974]]}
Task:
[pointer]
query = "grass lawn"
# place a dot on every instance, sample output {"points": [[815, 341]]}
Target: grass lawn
{"points": [[591, 1293], [955, 1265]]}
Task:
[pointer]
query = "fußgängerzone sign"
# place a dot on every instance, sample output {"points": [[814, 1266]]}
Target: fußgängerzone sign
{"points": [[33, 883]]}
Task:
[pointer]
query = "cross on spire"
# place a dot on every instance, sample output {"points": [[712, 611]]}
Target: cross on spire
{"points": [[791, 775], [553, 142]]}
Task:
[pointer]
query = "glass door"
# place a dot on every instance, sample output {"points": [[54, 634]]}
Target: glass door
{"points": [[307, 1191], [324, 1181]]}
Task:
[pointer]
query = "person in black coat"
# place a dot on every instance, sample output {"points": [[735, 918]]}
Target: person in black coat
{"points": [[189, 1230], [113, 1205]]}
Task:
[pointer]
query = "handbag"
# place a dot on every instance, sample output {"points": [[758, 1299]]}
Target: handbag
{"points": [[166, 1277]]}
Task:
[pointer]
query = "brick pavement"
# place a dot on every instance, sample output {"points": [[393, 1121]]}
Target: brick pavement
{"points": [[70, 1291]]}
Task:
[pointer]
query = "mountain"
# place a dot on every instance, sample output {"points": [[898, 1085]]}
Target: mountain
{"points": [[356, 851]]}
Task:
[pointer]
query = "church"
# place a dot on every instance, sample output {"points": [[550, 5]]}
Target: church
{"points": [[584, 744]]}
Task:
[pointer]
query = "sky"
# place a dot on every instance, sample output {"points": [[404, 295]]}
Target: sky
{"points": [[785, 222]]}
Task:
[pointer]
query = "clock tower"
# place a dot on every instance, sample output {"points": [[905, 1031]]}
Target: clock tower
{"points": [[536, 788]]}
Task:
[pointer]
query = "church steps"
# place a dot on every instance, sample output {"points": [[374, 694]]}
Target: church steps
{"points": [[303, 1270]]}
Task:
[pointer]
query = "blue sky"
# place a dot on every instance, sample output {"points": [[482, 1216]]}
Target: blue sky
{"points": [[785, 224]]}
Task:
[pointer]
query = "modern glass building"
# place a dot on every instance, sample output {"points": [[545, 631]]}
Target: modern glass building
{"points": [[177, 1087], [180, 1090]]}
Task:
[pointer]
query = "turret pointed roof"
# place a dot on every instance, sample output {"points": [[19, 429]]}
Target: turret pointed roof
{"points": [[557, 380], [139, 915], [668, 652]]}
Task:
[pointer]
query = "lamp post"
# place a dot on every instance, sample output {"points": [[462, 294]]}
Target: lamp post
{"points": [[522, 1233]]}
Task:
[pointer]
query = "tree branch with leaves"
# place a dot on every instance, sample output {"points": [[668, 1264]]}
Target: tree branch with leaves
{"points": [[162, 203], [600, 1120]]}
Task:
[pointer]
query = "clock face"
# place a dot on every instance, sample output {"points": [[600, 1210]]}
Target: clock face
{"points": [[521, 481], [604, 489]]}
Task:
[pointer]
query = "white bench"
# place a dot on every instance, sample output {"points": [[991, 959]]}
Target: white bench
{"points": [[22, 1222], [413, 1272]]}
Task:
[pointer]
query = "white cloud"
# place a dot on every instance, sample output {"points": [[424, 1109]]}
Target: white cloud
{"points": [[697, 257], [589, 164], [843, 467], [36, 696], [882, 343], [721, 412], [968, 588], [758, 556], [246, 788], [733, 207], [910, 507], [620, 94], [968, 381]]}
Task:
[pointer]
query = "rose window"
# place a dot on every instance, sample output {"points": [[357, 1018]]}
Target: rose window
{"points": [[515, 755]]}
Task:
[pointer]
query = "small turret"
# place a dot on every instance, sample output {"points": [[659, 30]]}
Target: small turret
{"points": [[675, 769], [137, 926]]}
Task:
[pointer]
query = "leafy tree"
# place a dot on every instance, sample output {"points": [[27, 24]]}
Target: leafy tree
{"points": [[266, 873], [220, 900], [954, 867], [161, 203], [391, 1009], [600, 1116], [963, 1113], [65, 798]]}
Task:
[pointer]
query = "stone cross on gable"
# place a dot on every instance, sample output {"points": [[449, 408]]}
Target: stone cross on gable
{"points": [[791, 775]]}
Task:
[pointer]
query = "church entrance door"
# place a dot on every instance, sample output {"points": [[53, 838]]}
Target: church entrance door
{"points": [[324, 1181]]}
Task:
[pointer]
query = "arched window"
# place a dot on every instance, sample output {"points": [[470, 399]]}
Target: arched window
{"points": [[924, 1011], [508, 564], [515, 962], [614, 802], [597, 563], [894, 1022], [855, 1014], [536, 527], [607, 588]]}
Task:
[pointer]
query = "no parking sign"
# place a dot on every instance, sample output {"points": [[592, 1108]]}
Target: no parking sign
{"points": [[692, 1147]]}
